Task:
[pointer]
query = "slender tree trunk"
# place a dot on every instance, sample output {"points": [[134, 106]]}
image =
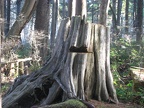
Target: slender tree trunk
{"points": [[18, 3], [81, 8], [8, 16], [134, 12], [139, 21], [114, 13], [64, 9], [2, 20], [71, 8], [1, 35], [114, 20], [126, 16], [119, 7], [55, 14], [104, 11], [77, 7], [93, 12], [5, 8], [41, 27]]}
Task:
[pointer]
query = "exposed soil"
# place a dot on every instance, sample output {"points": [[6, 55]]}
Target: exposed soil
{"points": [[98, 104]]}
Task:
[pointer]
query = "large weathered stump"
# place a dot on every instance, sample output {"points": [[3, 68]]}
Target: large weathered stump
{"points": [[79, 68]]}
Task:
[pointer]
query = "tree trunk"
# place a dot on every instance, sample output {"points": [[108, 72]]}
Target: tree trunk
{"points": [[113, 9], [1, 34], [81, 8], [126, 16], [18, 3], [134, 12], [119, 7], [79, 68], [21, 68], [92, 11], [71, 8], [64, 9], [23, 18], [2, 19], [115, 30], [8, 16], [54, 22], [104, 11], [41, 27], [139, 21]]}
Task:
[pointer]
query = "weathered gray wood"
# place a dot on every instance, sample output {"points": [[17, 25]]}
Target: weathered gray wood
{"points": [[81, 38], [73, 75], [37, 78], [104, 87], [76, 32], [81, 61], [79, 74], [66, 42], [97, 60], [102, 53], [109, 77], [90, 77], [86, 37], [66, 76], [53, 92], [21, 68]]}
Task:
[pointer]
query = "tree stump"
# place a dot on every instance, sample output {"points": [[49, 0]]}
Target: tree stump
{"points": [[79, 68]]}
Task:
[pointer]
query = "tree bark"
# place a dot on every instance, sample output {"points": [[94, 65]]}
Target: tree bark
{"points": [[104, 11], [2, 20], [114, 19], [64, 9], [134, 12], [8, 16], [41, 27], [81, 8], [119, 7], [139, 21], [71, 8], [18, 3], [79, 68], [77, 7], [1, 35], [23, 18], [55, 14], [126, 16]]}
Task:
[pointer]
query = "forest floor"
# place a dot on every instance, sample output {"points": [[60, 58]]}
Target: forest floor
{"points": [[99, 104], [8, 82]]}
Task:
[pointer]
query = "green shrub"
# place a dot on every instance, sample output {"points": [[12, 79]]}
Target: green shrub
{"points": [[24, 51], [124, 52], [123, 55]]}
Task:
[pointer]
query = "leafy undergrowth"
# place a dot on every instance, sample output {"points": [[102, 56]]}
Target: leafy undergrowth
{"points": [[5, 84], [124, 55]]}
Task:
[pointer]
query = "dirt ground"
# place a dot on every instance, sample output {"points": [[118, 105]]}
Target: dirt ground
{"points": [[98, 104]]}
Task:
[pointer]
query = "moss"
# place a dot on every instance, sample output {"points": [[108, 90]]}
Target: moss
{"points": [[72, 103]]}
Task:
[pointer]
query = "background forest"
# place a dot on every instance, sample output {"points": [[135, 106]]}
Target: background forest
{"points": [[34, 45]]}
